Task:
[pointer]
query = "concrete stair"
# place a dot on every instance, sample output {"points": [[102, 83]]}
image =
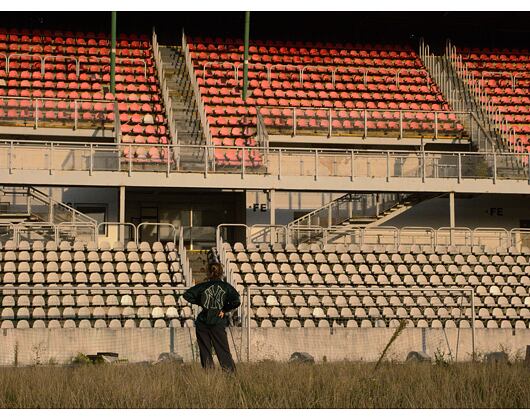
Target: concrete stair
{"points": [[198, 262], [460, 98], [388, 214], [184, 107]]}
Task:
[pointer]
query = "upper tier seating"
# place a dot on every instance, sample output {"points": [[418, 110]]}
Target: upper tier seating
{"points": [[506, 80], [23, 80], [380, 79], [500, 277], [120, 286]]}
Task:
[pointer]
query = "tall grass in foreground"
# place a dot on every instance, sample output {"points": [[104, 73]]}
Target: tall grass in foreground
{"points": [[268, 385]]}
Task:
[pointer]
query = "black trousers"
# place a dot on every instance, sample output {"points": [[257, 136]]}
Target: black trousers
{"points": [[208, 336]]}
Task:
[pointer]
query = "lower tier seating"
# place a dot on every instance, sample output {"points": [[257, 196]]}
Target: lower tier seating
{"points": [[309, 286], [68, 285]]}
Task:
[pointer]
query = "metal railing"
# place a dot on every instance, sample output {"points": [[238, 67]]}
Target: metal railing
{"points": [[296, 121], [198, 99], [168, 105], [186, 268], [79, 60], [457, 95], [88, 232], [394, 76], [262, 137], [465, 303], [19, 155], [25, 111], [500, 238], [29, 201], [45, 231], [476, 88], [347, 207]]}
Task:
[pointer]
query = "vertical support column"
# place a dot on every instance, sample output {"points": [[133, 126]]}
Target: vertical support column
{"points": [[451, 215], [51, 213], [294, 122], [248, 323], [113, 53], [272, 206], [121, 232], [28, 202], [245, 58], [191, 229], [473, 323], [330, 214]]}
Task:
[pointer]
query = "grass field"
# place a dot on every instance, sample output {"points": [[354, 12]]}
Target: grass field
{"points": [[267, 385]]}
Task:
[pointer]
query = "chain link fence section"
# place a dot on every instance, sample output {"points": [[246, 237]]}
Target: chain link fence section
{"points": [[343, 323]]}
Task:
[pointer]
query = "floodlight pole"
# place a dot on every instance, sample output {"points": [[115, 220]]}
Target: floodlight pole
{"points": [[245, 59], [113, 54]]}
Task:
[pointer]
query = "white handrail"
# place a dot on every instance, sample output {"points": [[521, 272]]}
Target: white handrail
{"points": [[483, 99], [472, 237], [168, 106], [195, 86]]}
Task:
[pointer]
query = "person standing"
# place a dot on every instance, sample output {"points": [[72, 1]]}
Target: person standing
{"points": [[216, 297]]}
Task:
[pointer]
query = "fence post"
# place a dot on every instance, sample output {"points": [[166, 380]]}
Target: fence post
{"points": [[11, 153], [248, 323], [400, 124], [435, 125], [36, 113], [365, 124], [316, 165], [494, 168], [473, 324], [51, 158], [352, 164], [279, 164], [130, 160], [329, 123], [75, 115], [243, 163], [91, 162], [423, 163], [294, 122], [528, 157], [168, 150], [206, 161], [459, 167], [387, 166]]}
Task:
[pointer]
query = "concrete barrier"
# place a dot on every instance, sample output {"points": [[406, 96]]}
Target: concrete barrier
{"points": [[33, 346]]}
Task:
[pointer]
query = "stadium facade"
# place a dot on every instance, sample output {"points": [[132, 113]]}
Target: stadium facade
{"points": [[358, 185]]}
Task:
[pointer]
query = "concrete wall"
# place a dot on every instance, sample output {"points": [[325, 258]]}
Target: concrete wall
{"points": [[485, 210], [360, 344], [288, 205]]}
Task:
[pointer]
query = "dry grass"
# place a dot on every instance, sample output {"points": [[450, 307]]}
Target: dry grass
{"points": [[267, 385]]}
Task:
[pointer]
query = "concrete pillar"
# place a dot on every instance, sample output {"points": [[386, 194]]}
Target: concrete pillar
{"points": [[121, 231], [272, 207], [452, 209], [451, 215], [272, 211]]}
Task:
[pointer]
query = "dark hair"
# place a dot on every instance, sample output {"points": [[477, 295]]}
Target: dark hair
{"points": [[215, 271]]}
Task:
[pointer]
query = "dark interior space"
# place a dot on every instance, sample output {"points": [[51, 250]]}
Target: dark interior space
{"points": [[484, 29]]}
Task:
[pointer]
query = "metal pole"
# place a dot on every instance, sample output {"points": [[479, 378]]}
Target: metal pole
{"points": [[113, 53], [248, 324], [272, 207], [121, 231], [245, 61], [473, 323]]}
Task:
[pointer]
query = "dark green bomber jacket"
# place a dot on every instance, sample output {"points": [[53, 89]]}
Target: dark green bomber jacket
{"points": [[213, 296]]}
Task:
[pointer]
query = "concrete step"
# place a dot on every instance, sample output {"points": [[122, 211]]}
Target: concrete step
{"points": [[198, 263], [184, 107]]}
